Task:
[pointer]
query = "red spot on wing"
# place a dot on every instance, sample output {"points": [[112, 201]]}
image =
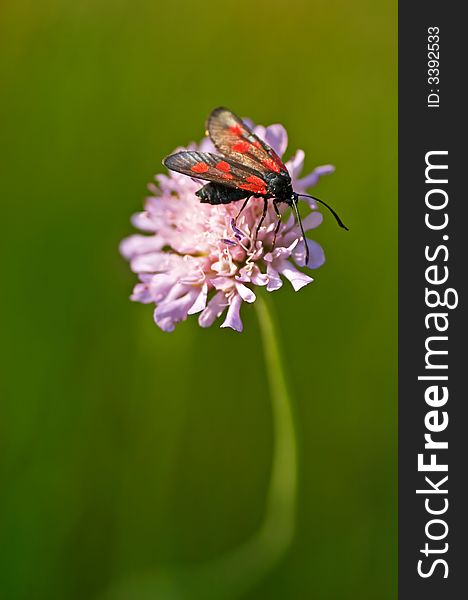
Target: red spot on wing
{"points": [[200, 167], [256, 180], [236, 130], [250, 187], [223, 166], [227, 176], [241, 147], [254, 184], [257, 144], [271, 164]]}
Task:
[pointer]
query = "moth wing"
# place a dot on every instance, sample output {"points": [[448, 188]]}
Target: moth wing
{"points": [[234, 139], [211, 167]]}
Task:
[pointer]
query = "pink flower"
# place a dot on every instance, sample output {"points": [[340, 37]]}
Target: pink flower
{"points": [[199, 259]]}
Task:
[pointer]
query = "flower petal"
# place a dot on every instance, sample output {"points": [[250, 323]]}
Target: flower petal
{"points": [[166, 324], [277, 138], [233, 319], [206, 145], [200, 302], [245, 293], [312, 220], [274, 280], [141, 293], [282, 252], [251, 274], [140, 244], [312, 179], [295, 164], [154, 262], [160, 285], [297, 278], [214, 309], [144, 221], [170, 312], [316, 255]]}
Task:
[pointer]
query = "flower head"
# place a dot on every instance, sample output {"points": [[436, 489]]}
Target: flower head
{"points": [[199, 258]]}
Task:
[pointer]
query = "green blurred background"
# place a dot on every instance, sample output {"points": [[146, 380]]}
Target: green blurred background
{"points": [[124, 448]]}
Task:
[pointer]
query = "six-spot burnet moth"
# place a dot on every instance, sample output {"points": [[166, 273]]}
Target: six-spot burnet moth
{"points": [[248, 168]]}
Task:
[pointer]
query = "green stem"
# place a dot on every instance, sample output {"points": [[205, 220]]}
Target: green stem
{"points": [[281, 500], [238, 571]]}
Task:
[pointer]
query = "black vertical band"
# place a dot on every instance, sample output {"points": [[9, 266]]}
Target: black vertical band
{"points": [[433, 357]]}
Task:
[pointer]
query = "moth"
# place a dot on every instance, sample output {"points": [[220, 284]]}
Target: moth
{"points": [[247, 168]]}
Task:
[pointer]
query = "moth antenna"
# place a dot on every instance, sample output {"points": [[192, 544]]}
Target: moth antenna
{"points": [[334, 213], [298, 217]]}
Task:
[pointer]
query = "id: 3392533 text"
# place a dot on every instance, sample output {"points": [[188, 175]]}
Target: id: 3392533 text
{"points": [[433, 67]]}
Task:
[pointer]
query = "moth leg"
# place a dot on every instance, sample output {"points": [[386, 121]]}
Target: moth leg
{"points": [[278, 221], [265, 208], [244, 204]]}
